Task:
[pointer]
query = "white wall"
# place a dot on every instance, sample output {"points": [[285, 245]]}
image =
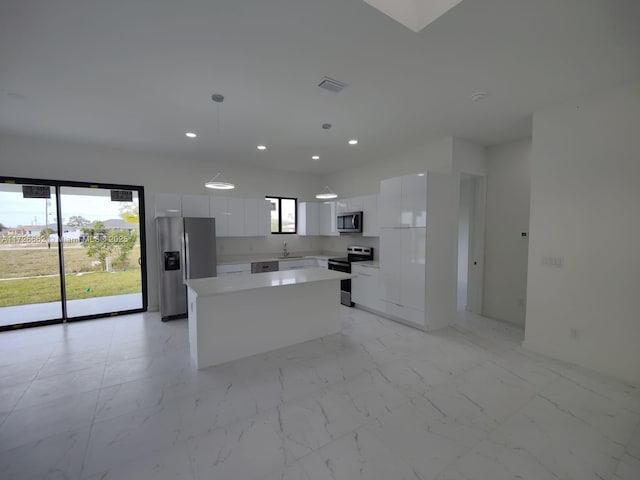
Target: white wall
{"points": [[585, 208], [506, 251], [48, 159], [365, 179]]}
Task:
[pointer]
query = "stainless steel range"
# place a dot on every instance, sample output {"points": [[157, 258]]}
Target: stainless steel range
{"points": [[343, 264]]}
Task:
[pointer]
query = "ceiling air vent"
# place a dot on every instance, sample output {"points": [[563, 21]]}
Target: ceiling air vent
{"points": [[332, 85]]}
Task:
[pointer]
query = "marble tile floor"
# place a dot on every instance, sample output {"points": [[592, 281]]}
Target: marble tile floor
{"points": [[119, 399]]}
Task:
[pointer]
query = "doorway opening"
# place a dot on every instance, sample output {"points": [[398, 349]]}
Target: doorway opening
{"points": [[470, 243]]}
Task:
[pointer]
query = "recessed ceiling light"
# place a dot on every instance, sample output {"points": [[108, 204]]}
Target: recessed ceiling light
{"points": [[353, 141], [191, 135], [421, 174], [315, 157], [262, 147]]}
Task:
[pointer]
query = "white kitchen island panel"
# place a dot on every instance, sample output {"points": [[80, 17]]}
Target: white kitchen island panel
{"points": [[243, 315]]}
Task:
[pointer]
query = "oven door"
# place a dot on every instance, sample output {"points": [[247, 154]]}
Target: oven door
{"points": [[345, 285], [345, 293]]}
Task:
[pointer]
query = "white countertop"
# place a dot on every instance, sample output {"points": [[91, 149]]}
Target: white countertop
{"points": [[370, 264], [247, 281]]}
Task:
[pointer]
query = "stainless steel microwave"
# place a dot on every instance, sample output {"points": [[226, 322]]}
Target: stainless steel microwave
{"points": [[349, 222]]}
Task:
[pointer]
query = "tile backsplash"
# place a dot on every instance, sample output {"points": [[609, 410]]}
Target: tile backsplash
{"points": [[295, 243]]}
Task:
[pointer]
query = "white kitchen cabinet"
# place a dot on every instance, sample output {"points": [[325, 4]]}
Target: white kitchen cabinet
{"points": [[390, 264], [414, 200], [168, 205], [402, 273], [389, 202], [412, 259], [370, 223], [328, 219], [308, 218], [235, 211], [218, 210], [264, 217], [195, 206], [365, 286], [297, 264], [230, 269], [355, 204], [403, 201], [347, 205], [251, 217]]}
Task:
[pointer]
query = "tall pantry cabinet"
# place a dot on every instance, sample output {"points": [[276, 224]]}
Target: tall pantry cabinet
{"points": [[410, 209]]}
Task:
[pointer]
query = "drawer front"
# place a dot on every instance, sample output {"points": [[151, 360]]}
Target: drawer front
{"points": [[234, 268]]}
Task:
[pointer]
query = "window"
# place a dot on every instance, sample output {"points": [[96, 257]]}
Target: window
{"points": [[284, 214]]}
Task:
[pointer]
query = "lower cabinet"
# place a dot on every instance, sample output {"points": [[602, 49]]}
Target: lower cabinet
{"points": [[229, 269], [365, 287], [403, 273], [297, 264]]}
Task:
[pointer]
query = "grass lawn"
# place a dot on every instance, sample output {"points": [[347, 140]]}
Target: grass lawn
{"points": [[33, 262], [87, 285]]}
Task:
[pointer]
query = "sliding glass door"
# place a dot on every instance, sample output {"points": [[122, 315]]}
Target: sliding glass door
{"points": [[30, 286], [102, 262], [69, 251]]}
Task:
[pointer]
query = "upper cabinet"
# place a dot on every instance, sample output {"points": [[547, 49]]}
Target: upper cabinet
{"points": [[328, 219], [257, 214], [195, 206], [347, 205], [235, 214], [218, 210], [251, 217], [168, 205], [403, 202], [264, 217], [308, 218]]}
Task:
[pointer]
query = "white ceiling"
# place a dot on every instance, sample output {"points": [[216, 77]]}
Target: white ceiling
{"points": [[140, 73]]}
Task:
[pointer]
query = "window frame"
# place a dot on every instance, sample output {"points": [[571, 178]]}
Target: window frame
{"points": [[279, 199]]}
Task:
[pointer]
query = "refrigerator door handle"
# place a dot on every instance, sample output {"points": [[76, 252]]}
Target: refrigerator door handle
{"points": [[185, 253]]}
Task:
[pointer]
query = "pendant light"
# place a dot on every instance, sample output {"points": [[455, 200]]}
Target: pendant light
{"points": [[326, 194], [219, 182]]}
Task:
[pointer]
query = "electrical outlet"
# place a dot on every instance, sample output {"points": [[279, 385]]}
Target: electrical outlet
{"points": [[574, 333], [557, 262]]}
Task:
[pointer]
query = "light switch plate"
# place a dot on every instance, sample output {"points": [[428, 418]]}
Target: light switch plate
{"points": [[557, 262]]}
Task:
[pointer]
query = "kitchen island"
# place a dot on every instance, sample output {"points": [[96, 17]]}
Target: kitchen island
{"points": [[245, 314]]}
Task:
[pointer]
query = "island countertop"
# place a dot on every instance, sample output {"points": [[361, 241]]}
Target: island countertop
{"points": [[204, 287]]}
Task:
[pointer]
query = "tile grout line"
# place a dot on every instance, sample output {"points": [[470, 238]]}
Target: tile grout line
{"points": [[95, 410], [35, 376]]}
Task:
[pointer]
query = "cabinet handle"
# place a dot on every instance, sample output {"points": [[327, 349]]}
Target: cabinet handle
{"points": [[398, 305]]}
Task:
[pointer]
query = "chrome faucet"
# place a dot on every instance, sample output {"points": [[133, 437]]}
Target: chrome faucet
{"points": [[284, 250]]}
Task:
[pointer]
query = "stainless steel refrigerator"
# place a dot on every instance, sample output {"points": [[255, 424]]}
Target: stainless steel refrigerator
{"points": [[187, 249]]}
